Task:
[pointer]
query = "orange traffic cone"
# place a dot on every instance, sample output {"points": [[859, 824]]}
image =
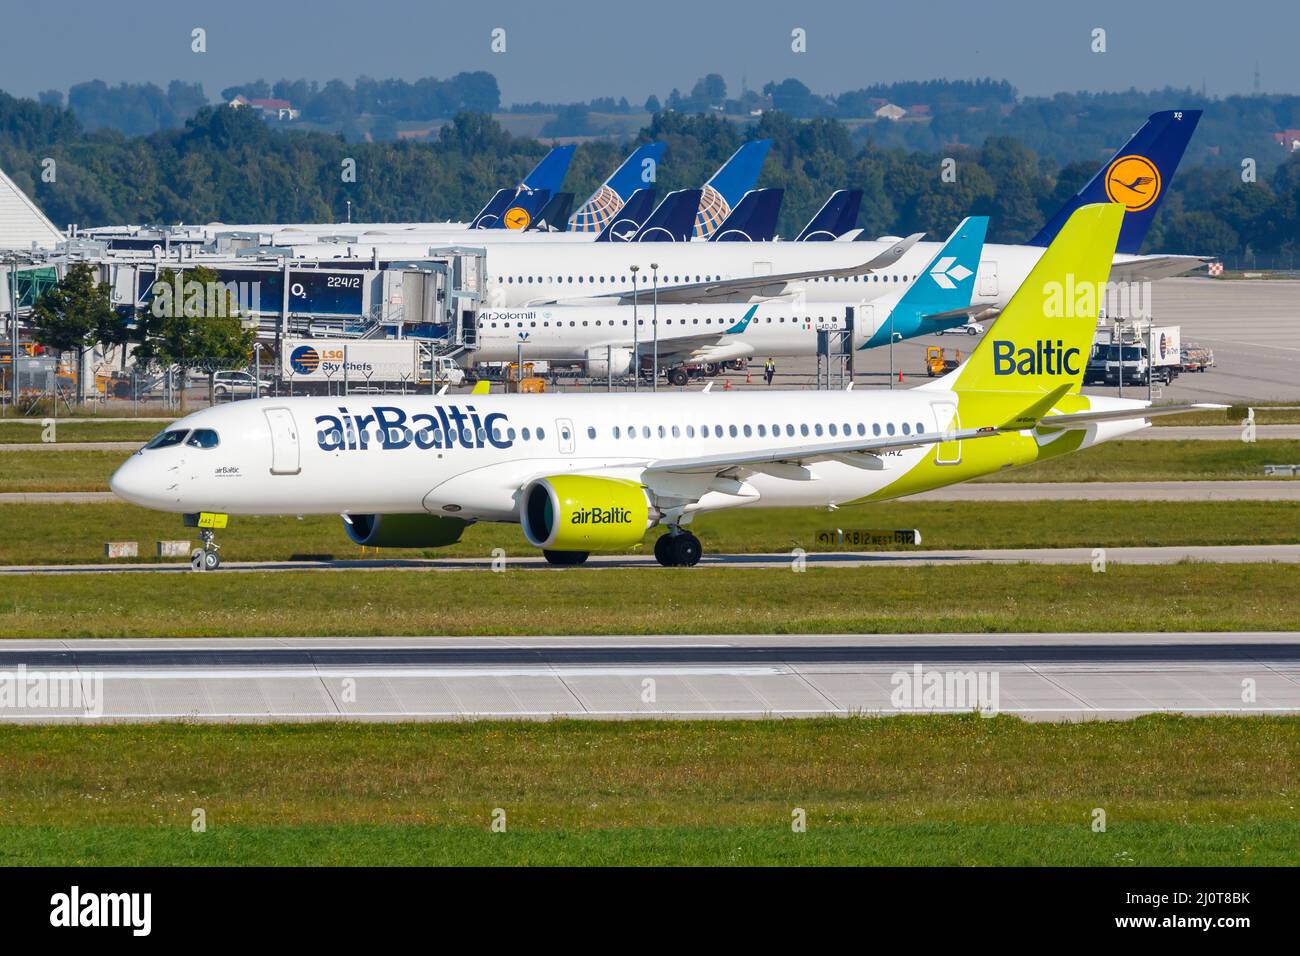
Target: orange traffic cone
{"points": [[749, 376], [726, 385], [900, 376]]}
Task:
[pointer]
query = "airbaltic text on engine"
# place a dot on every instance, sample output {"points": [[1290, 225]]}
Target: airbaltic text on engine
{"points": [[447, 426], [602, 516], [1045, 358]]}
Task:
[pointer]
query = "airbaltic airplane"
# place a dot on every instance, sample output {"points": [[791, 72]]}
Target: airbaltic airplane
{"points": [[582, 473], [689, 336]]}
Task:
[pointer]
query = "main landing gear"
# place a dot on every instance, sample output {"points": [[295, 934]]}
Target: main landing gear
{"points": [[206, 558], [678, 549]]}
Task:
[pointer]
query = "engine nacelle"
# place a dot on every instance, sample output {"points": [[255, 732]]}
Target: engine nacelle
{"points": [[404, 530], [602, 363], [582, 513]]}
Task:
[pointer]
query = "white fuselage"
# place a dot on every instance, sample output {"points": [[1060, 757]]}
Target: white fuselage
{"points": [[471, 455]]}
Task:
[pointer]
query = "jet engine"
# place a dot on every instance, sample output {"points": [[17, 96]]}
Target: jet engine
{"points": [[404, 530], [583, 513], [603, 362]]}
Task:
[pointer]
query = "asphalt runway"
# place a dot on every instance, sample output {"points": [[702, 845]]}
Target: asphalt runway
{"points": [[1214, 554], [1034, 676]]}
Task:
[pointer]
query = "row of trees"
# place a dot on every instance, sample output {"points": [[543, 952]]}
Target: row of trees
{"points": [[227, 165], [76, 315], [339, 102]]}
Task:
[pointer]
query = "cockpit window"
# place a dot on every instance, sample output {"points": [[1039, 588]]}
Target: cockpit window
{"points": [[167, 439], [203, 438]]}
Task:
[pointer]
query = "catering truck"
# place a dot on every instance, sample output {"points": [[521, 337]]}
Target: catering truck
{"points": [[366, 364], [1137, 356]]}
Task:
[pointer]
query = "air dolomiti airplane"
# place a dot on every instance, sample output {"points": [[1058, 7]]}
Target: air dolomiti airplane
{"points": [[605, 338], [583, 473]]}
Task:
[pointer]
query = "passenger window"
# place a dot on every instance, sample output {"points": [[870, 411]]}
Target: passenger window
{"points": [[789, 431], [540, 434], [818, 429], [731, 430], [803, 430], [616, 432], [748, 431], [875, 429], [889, 429], [591, 431], [526, 434]]}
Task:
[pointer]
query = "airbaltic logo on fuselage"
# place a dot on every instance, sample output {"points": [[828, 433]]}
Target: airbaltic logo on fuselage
{"points": [[447, 426], [601, 516], [1043, 358]]}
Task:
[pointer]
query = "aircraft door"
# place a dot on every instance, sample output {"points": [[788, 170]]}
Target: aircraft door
{"points": [[988, 278], [946, 420], [285, 452], [565, 435]]}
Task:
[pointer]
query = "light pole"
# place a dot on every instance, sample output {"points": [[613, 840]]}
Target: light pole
{"points": [[654, 322], [636, 337]]}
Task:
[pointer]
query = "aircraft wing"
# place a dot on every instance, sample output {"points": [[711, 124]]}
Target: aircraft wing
{"points": [[768, 286], [1118, 414], [974, 311], [1155, 267]]}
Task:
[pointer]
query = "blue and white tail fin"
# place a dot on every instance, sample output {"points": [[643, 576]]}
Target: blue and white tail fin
{"points": [[728, 185], [523, 210], [1137, 177], [630, 218], [753, 219], [673, 220], [942, 293], [549, 173], [838, 216], [637, 171], [490, 214]]}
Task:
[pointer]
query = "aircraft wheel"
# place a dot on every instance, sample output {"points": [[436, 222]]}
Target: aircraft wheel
{"points": [[686, 550], [565, 558], [678, 376], [664, 550]]}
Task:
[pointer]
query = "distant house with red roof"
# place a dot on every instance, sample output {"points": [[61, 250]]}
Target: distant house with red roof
{"points": [[270, 108]]}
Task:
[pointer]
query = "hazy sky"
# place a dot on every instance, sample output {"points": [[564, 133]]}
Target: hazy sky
{"points": [[567, 50]]}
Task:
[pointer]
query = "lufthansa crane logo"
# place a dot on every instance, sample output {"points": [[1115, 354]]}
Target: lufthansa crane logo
{"points": [[1133, 181], [517, 218]]}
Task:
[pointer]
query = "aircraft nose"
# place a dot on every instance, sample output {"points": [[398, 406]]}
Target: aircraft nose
{"points": [[131, 482]]}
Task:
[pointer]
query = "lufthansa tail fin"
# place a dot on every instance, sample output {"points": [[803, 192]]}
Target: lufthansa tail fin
{"points": [[725, 188], [604, 204], [490, 214], [523, 210], [838, 216], [630, 218], [1041, 340], [673, 220], [1136, 177], [753, 219]]}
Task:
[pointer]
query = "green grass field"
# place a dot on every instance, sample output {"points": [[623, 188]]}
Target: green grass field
{"points": [[109, 429], [75, 533], [1116, 461], [903, 790], [966, 598]]}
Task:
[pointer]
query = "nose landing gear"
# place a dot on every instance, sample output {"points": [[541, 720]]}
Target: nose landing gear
{"points": [[208, 557], [678, 549]]}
